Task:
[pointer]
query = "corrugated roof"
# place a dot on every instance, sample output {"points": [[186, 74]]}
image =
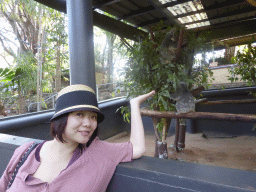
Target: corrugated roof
{"points": [[225, 18]]}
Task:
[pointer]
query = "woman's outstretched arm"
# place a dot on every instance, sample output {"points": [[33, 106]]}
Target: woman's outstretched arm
{"points": [[137, 130]]}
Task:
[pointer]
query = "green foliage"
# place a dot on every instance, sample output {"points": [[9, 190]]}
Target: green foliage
{"points": [[220, 60], [24, 18], [6, 75], [22, 76], [125, 111], [246, 61], [160, 125], [56, 31], [26, 72], [202, 76], [148, 71]]}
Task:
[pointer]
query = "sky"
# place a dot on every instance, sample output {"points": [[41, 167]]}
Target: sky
{"points": [[5, 27], [3, 63]]}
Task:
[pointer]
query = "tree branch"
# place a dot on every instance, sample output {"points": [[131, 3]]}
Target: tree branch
{"points": [[126, 43], [8, 50], [14, 27], [152, 36], [180, 43], [5, 60]]}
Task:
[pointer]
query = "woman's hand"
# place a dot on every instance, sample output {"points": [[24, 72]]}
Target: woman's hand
{"points": [[137, 131], [141, 98]]}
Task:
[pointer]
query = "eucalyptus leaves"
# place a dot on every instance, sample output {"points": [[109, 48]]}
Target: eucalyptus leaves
{"points": [[163, 62]]}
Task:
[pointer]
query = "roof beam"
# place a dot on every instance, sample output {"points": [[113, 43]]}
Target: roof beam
{"points": [[105, 3], [101, 21], [218, 5], [228, 30], [173, 3], [166, 13], [141, 11], [240, 40], [151, 8], [151, 22], [117, 27], [59, 5]]}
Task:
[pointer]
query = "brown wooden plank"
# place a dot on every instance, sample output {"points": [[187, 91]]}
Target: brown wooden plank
{"points": [[229, 101], [200, 115]]}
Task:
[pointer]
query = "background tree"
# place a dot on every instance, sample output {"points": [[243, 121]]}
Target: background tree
{"points": [[28, 23], [57, 49], [163, 62], [246, 61]]}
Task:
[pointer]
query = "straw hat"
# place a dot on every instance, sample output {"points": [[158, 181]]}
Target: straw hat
{"points": [[75, 98]]}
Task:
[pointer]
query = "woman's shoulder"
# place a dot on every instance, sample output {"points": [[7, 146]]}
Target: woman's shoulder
{"points": [[19, 151], [24, 147]]}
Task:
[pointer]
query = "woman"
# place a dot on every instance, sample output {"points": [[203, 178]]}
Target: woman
{"points": [[75, 160]]}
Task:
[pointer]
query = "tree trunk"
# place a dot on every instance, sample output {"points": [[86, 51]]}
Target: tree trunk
{"points": [[2, 109], [110, 38], [58, 69], [229, 53], [167, 122], [155, 122], [21, 100], [39, 65]]}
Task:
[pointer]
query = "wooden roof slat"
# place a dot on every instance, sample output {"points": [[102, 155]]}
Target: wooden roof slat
{"points": [[144, 13], [229, 30], [216, 4], [173, 3], [149, 9], [166, 13], [140, 3], [151, 22], [141, 11], [129, 5], [105, 3], [229, 11], [148, 17], [119, 8], [224, 19], [204, 11]]}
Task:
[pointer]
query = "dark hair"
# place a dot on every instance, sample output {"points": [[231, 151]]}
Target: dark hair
{"points": [[58, 126]]}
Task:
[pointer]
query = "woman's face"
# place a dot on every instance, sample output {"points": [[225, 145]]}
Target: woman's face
{"points": [[80, 126]]}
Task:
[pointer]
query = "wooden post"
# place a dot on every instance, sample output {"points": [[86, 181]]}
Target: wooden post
{"points": [[167, 122], [182, 134], [177, 132]]}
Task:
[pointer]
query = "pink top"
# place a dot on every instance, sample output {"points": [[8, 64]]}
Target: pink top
{"points": [[89, 170]]}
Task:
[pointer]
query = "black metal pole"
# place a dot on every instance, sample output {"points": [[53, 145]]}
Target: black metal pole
{"points": [[81, 47]]}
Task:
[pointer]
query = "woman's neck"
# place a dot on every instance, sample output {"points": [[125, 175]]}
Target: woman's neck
{"points": [[60, 148]]}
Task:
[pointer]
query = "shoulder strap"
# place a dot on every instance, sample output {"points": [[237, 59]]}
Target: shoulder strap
{"points": [[21, 162]]}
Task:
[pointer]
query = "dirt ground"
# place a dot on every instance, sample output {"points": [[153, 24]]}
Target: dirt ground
{"points": [[237, 152]]}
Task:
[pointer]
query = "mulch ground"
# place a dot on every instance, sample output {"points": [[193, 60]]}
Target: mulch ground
{"points": [[237, 152]]}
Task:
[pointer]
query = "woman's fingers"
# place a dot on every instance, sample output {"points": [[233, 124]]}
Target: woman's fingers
{"points": [[144, 97], [147, 95]]}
